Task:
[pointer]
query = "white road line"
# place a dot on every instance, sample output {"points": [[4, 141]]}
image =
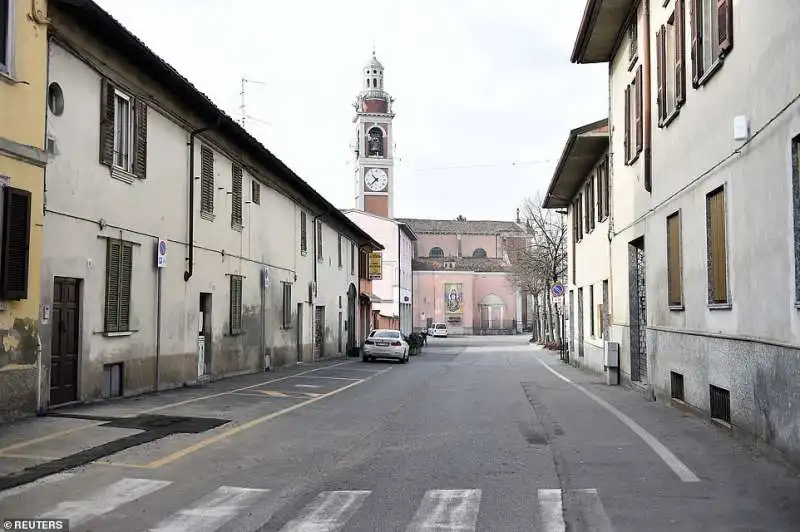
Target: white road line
{"points": [[591, 508], [329, 512], [332, 378], [308, 385], [212, 511], [551, 511], [680, 469], [451, 510], [104, 500], [35, 484]]}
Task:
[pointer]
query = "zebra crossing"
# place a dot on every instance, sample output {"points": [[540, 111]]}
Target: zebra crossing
{"points": [[328, 511]]}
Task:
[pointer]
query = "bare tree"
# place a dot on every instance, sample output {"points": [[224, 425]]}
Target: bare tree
{"points": [[541, 264]]}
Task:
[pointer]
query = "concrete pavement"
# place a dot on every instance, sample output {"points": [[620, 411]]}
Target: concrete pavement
{"points": [[483, 433]]}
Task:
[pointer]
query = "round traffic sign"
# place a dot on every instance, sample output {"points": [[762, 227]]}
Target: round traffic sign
{"points": [[558, 289]]}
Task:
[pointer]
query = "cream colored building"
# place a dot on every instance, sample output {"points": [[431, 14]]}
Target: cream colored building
{"points": [[259, 270]]}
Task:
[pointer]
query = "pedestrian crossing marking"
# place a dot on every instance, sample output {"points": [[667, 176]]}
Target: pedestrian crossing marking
{"points": [[293, 395], [212, 511], [329, 512], [439, 510], [103, 501], [447, 510]]}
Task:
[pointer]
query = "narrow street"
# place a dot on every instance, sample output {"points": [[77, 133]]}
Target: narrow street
{"points": [[477, 433]]}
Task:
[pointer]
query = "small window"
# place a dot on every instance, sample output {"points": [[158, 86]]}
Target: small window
{"points": [[6, 22], [674, 284], [633, 118], [236, 193], [319, 239], [633, 38], [339, 251], [55, 97], [717, 247], [15, 234], [352, 259], [286, 316], [123, 132], [303, 232], [670, 71], [255, 192], [119, 263], [436, 252], [712, 35], [479, 253], [206, 180], [236, 304]]}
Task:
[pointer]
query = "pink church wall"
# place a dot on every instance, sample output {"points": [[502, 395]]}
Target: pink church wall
{"points": [[448, 243], [470, 242]]}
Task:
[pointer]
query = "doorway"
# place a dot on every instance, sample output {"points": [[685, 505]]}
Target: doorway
{"points": [[299, 332], [204, 336], [319, 332], [64, 342], [351, 318], [637, 293]]}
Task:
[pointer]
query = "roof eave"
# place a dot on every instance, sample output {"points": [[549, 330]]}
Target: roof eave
{"points": [[608, 16]]}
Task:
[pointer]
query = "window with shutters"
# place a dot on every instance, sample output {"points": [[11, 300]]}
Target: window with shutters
{"points": [[318, 232], [303, 233], [712, 36], [674, 261], [123, 133], [602, 189], [236, 304], [255, 192], [339, 251], [592, 330], [236, 193], [119, 263], [670, 70], [352, 259], [206, 182], [634, 135], [796, 208], [6, 36], [579, 215], [633, 42], [14, 242], [717, 256], [286, 316]]}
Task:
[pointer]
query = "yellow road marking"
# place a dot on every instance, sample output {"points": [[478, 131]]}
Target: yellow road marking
{"points": [[162, 407], [252, 423]]}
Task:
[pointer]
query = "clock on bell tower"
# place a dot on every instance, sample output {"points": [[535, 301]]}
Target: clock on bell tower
{"points": [[374, 171]]}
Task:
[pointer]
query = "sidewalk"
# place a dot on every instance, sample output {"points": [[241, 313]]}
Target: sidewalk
{"points": [[74, 436]]}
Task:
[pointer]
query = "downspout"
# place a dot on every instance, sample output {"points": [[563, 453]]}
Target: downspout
{"points": [[647, 104], [399, 283], [188, 273]]}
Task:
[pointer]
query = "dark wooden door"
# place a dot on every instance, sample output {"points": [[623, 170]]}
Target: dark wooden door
{"points": [[64, 347], [319, 331]]}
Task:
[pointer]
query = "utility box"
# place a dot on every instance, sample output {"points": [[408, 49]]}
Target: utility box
{"points": [[611, 362]]}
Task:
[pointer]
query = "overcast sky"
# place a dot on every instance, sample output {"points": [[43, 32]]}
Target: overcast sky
{"points": [[484, 91]]}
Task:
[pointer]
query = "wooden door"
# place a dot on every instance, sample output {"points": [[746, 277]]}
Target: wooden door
{"points": [[65, 332]]}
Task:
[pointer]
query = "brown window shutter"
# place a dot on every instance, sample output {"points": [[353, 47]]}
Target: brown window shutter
{"points": [[639, 107], [697, 40], [661, 73], [256, 192], [674, 291], [607, 188], [206, 180], [140, 141], [236, 304], [113, 275], [107, 123], [717, 247], [236, 192], [303, 232], [680, 53], [16, 242], [126, 264], [724, 26], [627, 141]]}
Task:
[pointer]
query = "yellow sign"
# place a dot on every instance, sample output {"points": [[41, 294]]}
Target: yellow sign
{"points": [[375, 266]]}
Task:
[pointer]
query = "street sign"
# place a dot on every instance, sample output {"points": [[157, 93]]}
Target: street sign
{"points": [[558, 290], [161, 253]]}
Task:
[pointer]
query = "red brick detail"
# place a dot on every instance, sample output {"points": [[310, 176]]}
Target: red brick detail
{"points": [[375, 106]]}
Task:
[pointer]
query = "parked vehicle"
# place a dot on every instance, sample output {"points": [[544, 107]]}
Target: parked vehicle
{"points": [[385, 343], [438, 330]]}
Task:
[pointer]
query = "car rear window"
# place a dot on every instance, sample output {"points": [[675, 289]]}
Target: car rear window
{"points": [[441, 326], [385, 334]]}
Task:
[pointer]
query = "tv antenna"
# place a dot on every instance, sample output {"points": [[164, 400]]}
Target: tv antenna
{"points": [[245, 81]]}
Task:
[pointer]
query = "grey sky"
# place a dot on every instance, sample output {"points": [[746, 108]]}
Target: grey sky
{"points": [[478, 86]]}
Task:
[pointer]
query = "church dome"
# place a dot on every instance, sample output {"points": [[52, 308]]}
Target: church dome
{"points": [[374, 63]]}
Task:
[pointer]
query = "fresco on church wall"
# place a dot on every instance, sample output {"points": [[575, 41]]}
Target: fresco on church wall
{"points": [[453, 299]]}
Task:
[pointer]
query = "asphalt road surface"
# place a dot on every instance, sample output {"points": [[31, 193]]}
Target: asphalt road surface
{"points": [[484, 434]]}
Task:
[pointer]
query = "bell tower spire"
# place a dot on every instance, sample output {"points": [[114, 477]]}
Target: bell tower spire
{"points": [[374, 173]]}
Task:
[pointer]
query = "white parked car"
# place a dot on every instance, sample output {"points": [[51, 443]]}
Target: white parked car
{"points": [[438, 329], [385, 343]]}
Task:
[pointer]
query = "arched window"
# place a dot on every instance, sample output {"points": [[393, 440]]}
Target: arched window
{"points": [[479, 253], [375, 142], [436, 252], [375, 83]]}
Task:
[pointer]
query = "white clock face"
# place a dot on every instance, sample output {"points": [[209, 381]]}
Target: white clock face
{"points": [[376, 179]]}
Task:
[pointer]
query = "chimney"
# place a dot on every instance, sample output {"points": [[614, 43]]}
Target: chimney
{"points": [[517, 214]]}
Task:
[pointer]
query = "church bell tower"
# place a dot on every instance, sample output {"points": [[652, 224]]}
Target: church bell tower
{"points": [[374, 172]]}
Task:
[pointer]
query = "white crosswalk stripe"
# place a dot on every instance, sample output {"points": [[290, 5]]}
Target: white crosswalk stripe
{"points": [[442, 510], [104, 500], [212, 511], [439, 510], [329, 512]]}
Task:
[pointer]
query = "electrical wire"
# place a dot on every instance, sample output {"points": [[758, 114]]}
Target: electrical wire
{"points": [[711, 170]]}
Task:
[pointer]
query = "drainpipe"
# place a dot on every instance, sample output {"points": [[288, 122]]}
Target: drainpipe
{"points": [[646, 104], [399, 291], [188, 273]]}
